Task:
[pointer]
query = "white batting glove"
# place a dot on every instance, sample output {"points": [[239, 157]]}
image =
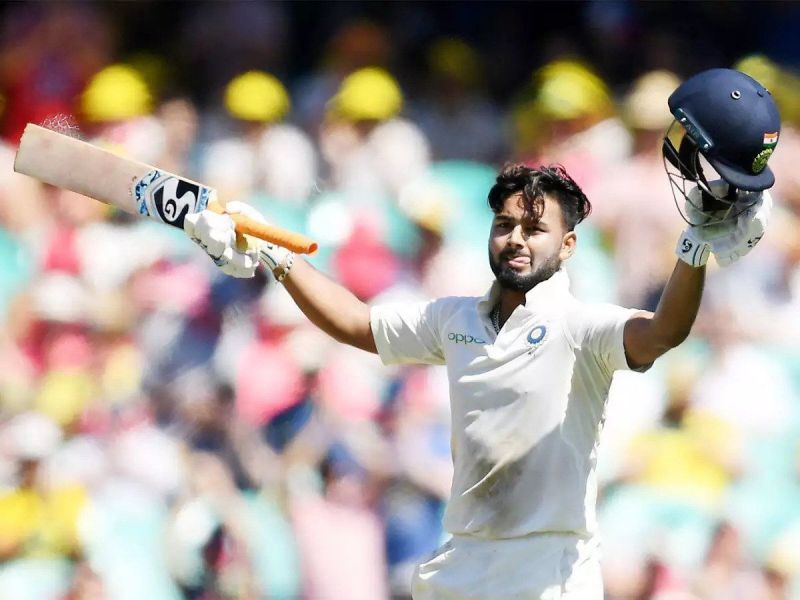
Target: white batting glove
{"points": [[216, 234], [750, 227], [277, 259], [692, 248], [729, 239]]}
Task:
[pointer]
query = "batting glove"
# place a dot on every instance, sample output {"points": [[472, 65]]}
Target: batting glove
{"points": [[692, 248], [237, 256], [216, 234], [729, 239], [749, 227], [275, 258]]}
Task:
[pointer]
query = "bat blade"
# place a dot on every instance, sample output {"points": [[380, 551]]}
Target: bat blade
{"points": [[130, 185]]}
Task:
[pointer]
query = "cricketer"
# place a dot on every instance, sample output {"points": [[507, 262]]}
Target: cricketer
{"points": [[529, 365]]}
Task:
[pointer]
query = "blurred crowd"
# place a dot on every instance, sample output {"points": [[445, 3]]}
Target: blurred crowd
{"points": [[168, 432]]}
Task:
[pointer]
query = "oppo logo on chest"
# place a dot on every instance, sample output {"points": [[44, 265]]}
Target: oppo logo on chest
{"points": [[534, 338], [463, 338]]}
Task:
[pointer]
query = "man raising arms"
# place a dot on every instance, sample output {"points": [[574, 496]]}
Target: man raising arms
{"points": [[529, 368]]}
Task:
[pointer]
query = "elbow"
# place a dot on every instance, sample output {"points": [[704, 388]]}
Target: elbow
{"points": [[673, 339], [647, 338], [669, 334], [655, 349], [357, 330]]}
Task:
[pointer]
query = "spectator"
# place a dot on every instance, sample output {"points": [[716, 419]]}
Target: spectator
{"points": [[633, 197], [457, 117], [260, 152]]}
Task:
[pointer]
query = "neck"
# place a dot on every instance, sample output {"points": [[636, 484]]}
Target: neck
{"points": [[509, 300]]}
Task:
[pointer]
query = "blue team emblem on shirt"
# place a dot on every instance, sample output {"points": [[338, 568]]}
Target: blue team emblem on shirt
{"points": [[536, 336]]}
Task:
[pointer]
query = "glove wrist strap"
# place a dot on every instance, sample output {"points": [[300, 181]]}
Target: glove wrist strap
{"points": [[691, 250], [278, 265], [282, 270]]}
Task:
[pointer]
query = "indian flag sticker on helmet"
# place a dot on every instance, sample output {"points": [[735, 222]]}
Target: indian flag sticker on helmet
{"points": [[771, 138]]}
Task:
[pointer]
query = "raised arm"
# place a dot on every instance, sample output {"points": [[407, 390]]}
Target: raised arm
{"points": [[649, 335], [328, 305]]}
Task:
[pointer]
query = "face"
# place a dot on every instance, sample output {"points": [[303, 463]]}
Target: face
{"points": [[523, 253]]}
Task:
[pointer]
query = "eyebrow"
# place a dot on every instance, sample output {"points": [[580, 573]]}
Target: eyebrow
{"points": [[507, 217]]}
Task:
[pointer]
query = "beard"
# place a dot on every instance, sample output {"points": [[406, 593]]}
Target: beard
{"points": [[509, 279]]}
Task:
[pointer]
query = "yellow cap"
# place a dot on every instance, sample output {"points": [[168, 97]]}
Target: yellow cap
{"points": [[454, 58], [760, 68], [116, 93], [257, 96], [153, 68], [645, 106], [567, 89], [369, 94], [783, 83]]}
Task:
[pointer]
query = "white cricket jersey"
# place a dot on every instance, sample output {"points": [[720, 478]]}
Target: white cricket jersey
{"points": [[527, 404]]}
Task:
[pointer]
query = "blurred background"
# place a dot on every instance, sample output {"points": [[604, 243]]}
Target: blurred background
{"points": [[167, 432]]}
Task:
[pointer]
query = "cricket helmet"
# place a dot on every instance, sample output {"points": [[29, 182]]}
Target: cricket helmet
{"points": [[725, 122]]}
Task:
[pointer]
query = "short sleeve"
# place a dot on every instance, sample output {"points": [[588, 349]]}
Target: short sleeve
{"points": [[602, 331], [408, 333]]}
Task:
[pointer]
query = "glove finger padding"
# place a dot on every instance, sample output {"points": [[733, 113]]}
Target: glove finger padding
{"points": [[750, 227], [215, 233], [724, 260], [246, 243], [239, 264], [727, 238], [695, 205], [212, 232], [240, 208], [271, 255], [242, 259]]}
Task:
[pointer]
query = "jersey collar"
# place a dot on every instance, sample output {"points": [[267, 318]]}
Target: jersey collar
{"points": [[548, 292]]}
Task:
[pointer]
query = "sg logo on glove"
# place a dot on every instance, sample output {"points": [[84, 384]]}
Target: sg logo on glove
{"points": [[168, 198], [751, 243]]}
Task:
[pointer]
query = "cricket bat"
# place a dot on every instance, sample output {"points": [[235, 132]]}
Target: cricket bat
{"points": [[132, 186]]}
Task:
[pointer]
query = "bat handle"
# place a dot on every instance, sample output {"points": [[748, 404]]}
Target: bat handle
{"points": [[269, 233]]}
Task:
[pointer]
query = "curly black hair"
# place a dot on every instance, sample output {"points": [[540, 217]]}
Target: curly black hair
{"points": [[534, 184]]}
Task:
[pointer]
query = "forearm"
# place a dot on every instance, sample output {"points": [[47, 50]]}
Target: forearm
{"points": [[327, 304], [649, 335], [330, 306], [679, 303]]}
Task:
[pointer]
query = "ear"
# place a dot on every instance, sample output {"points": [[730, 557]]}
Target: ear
{"points": [[568, 243]]}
